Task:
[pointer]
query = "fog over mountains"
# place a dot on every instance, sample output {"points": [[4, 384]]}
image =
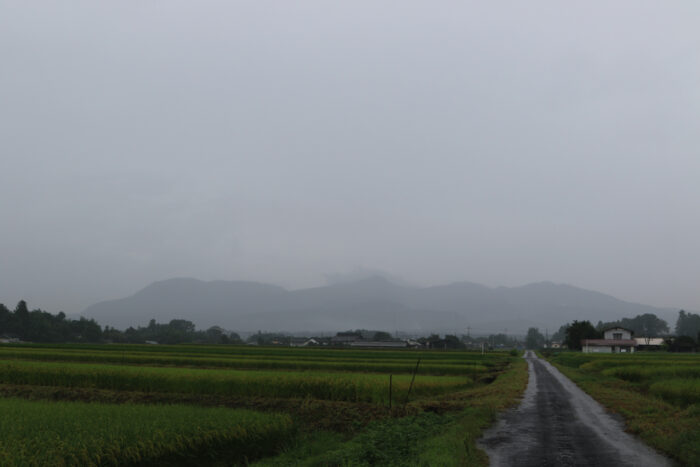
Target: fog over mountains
{"points": [[371, 303]]}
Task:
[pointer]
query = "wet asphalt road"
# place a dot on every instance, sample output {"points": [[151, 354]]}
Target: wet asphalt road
{"points": [[557, 424]]}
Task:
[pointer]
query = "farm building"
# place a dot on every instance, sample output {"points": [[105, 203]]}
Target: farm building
{"points": [[302, 342], [380, 344], [649, 343], [615, 340], [9, 340]]}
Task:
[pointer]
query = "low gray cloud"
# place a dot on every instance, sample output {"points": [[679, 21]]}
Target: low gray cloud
{"points": [[285, 142]]}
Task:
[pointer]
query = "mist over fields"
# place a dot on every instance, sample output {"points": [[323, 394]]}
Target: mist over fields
{"points": [[369, 303]]}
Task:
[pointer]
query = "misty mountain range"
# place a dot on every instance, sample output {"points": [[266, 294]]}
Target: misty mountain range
{"points": [[371, 303]]}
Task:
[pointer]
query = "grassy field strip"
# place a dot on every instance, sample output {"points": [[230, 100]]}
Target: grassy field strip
{"points": [[282, 353], [80, 434], [603, 361], [288, 352], [364, 387], [681, 392], [426, 439], [675, 380], [647, 390], [370, 365], [649, 372]]}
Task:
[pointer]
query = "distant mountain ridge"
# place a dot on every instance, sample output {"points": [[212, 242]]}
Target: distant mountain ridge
{"points": [[372, 303]]}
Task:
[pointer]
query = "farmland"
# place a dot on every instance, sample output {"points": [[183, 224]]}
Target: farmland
{"points": [[658, 394], [108, 434], [140, 404]]}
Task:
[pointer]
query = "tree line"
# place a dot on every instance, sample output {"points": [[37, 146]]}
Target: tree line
{"points": [[41, 326]]}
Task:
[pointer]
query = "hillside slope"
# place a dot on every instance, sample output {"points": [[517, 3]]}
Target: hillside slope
{"points": [[369, 303]]}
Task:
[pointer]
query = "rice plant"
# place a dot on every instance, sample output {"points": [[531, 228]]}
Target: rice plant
{"points": [[359, 387], [80, 434]]}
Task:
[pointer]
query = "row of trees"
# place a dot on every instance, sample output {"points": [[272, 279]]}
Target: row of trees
{"points": [[500, 340], [177, 331], [40, 326], [646, 325]]}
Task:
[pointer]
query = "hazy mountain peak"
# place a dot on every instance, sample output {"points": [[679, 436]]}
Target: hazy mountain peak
{"points": [[369, 302], [360, 275], [373, 281]]}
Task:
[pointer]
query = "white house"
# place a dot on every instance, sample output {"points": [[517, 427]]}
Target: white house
{"points": [[617, 334], [615, 340]]}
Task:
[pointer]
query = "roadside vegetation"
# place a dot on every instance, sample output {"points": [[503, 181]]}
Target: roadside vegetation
{"points": [[179, 404], [440, 432], [658, 394]]}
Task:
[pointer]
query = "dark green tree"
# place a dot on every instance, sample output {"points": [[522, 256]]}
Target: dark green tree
{"points": [[86, 330], [451, 341], [579, 330], [681, 344], [21, 321], [646, 325], [500, 340], [382, 336], [534, 339], [5, 319], [560, 334], [688, 324], [21, 310]]}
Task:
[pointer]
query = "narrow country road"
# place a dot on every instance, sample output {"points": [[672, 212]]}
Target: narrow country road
{"points": [[557, 424]]}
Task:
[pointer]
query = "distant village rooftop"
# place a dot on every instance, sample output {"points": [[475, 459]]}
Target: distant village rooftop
{"points": [[615, 340], [380, 344]]}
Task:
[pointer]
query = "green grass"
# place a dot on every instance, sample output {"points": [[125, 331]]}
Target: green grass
{"points": [[296, 353], [662, 409], [371, 362], [423, 439], [72, 433], [673, 377], [681, 392], [361, 387]]}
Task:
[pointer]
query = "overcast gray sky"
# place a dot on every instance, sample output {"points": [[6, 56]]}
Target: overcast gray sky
{"points": [[496, 142]]}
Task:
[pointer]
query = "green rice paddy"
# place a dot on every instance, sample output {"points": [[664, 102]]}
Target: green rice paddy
{"points": [[183, 405]]}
